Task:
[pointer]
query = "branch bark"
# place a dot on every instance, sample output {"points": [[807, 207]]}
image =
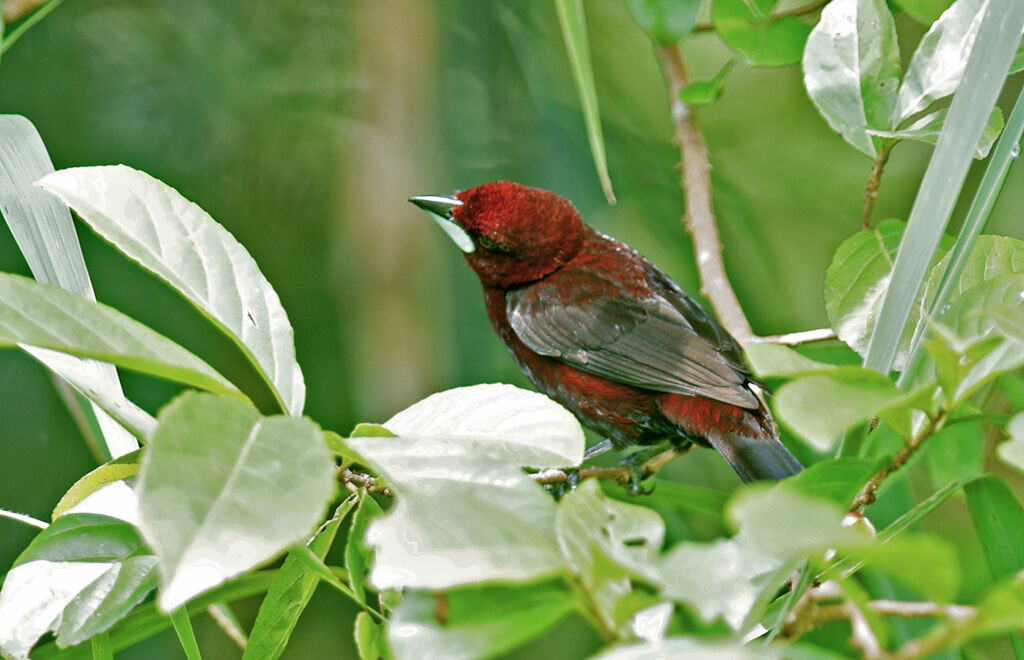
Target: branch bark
{"points": [[622, 475], [871, 191], [866, 496]]}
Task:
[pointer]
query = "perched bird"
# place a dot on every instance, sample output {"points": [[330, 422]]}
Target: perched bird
{"points": [[603, 331]]}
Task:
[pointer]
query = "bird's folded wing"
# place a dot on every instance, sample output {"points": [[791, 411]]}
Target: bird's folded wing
{"points": [[637, 336]]}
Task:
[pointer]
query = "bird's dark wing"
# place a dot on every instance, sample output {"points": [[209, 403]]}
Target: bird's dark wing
{"points": [[629, 323]]}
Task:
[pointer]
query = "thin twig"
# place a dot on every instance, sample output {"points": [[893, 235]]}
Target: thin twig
{"points": [[866, 496], [796, 11], [226, 623], [620, 474], [360, 480], [700, 215], [871, 191]]}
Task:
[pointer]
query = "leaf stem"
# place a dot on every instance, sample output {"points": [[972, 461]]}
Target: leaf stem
{"points": [[871, 191], [620, 474]]}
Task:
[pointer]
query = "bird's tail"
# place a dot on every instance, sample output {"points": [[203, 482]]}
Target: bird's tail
{"points": [[760, 455]]}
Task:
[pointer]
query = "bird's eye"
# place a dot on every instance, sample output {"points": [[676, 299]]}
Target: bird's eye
{"points": [[490, 244]]}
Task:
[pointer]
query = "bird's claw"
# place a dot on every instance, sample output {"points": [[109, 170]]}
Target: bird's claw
{"points": [[561, 488], [634, 463]]}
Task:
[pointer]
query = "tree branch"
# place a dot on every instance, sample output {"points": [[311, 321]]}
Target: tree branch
{"points": [[796, 11], [620, 474], [871, 192], [700, 215], [356, 480]]}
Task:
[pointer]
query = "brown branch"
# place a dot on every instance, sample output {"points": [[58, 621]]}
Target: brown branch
{"points": [[866, 496], [700, 215], [357, 480], [620, 474], [15, 9], [871, 192], [796, 11]]}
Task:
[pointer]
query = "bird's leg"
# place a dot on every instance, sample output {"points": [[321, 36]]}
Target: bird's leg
{"points": [[635, 464], [598, 449]]}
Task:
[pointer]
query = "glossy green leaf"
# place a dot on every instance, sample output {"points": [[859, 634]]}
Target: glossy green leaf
{"points": [[775, 361], [49, 317], [107, 600], [182, 623], [706, 92], [1012, 451], [45, 234], [574, 32], [466, 512], [125, 467], [938, 64], [179, 242], [371, 638], [852, 69], [78, 553], [357, 556], [837, 480], [764, 41], [820, 408], [999, 521], [926, 129], [689, 647], [290, 592], [223, 489], [667, 21], [476, 622]]}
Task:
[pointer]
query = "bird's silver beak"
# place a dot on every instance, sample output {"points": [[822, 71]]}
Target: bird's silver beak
{"points": [[440, 208]]}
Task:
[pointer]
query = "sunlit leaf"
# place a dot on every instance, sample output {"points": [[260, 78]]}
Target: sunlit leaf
{"points": [[110, 472], [775, 360], [371, 638], [223, 489], [175, 239], [852, 68], [706, 92], [356, 555], [698, 648], [1012, 451], [926, 129]]}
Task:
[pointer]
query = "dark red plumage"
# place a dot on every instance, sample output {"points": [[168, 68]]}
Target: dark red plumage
{"points": [[604, 332]]}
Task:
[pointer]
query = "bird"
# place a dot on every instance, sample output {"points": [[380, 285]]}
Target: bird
{"points": [[600, 329]]}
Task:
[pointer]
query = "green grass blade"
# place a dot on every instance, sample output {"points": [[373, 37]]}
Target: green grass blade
{"points": [[1006, 151], [6, 41], [972, 104], [101, 649], [183, 626], [574, 31], [45, 234]]}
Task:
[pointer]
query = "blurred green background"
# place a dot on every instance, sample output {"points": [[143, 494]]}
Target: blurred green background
{"points": [[303, 126]]}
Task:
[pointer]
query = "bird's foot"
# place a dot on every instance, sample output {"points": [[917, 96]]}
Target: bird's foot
{"points": [[560, 489], [598, 449], [634, 463]]}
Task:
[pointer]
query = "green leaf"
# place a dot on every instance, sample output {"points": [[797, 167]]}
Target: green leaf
{"points": [[78, 553], [925, 12], [999, 521], [955, 453], [357, 557], [1012, 451], [902, 558], [667, 21], [820, 408], [574, 31], [938, 64], [476, 622], [180, 243], [466, 511], [775, 361], [49, 317], [763, 40], [690, 647], [290, 592], [183, 628], [837, 480], [706, 92], [856, 282], [990, 257], [45, 235], [222, 489], [371, 638], [852, 69], [998, 37], [125, 467], [926, 129], [26, 24]]}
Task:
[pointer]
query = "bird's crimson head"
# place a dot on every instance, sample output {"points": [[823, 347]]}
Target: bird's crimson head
{"points": [[513, 234]]}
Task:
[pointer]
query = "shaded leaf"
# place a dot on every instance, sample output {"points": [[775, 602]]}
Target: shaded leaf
{"points": [[357, 557], [179, 242], [999, 521], [371, 638], [667, 21], [763, 40], [925, 11], [706, 92], [223, 489], [837, 480]]}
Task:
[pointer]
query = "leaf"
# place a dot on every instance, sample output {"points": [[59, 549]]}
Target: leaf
{"points": [[476, 622], [107, 600], [371, 638], [926, 129], [290, 592], [820, 408], [902, 559], [999, 521], [222, 489], [1012, 451], [49, 317], [852, 69], [110, 472], [925, 11], [856, 282], [574, 32], [837, 480], [706, 92], [180, 243], [990, 257], [698, 648], [45, 235], [764, 41], [526, 427], [667, 21], [775, 361], [357, 558], [938, 64], [954, 453], [78, 553]]}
